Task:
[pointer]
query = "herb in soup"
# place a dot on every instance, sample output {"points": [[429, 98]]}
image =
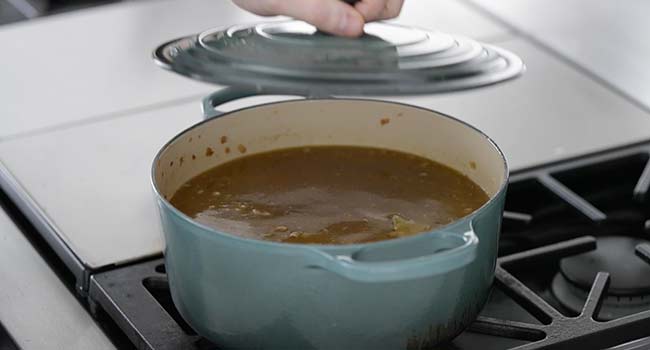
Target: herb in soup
{"points": [[328, 195]]}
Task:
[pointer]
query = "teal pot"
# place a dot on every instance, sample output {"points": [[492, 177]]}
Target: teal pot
{"points": [[406, 293]]}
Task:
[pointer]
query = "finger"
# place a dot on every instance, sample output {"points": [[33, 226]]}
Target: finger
{"points": [[371, 9], [262, 8], [331, 16], [391, 9]]}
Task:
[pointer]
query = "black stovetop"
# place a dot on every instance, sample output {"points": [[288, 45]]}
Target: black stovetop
{"points": [[573, 268]]}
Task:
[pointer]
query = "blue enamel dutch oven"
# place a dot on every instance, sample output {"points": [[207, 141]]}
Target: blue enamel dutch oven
{"points": [[406, 293]]}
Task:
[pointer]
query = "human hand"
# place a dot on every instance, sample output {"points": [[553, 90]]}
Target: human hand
{"points": [[331, 16]]}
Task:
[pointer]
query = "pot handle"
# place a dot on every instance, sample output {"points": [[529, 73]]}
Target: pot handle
{"points": [[219, 97], [443, 252]]}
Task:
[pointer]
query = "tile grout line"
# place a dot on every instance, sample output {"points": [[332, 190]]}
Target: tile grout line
{"points": [[106, 117], [540, 44]]}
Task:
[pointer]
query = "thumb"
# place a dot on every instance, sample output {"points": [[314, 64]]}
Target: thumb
{"points": [[331, 16]]}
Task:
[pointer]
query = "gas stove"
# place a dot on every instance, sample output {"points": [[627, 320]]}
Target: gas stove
{"points": [[573, 269]]}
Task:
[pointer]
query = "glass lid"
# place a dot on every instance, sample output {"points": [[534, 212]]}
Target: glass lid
{"points": [[294, 57]]}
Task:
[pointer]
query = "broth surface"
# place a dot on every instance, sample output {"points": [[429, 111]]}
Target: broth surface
{"points": [[328, 195]]}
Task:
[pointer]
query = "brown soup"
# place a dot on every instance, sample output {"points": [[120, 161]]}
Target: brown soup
{"points": [[328, 195]]}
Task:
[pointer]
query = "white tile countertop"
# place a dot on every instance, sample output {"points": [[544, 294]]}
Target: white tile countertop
{"points": [[86, 109], [606, 38], [35, 307], [552, 112], [96, 63], [93, 181]]}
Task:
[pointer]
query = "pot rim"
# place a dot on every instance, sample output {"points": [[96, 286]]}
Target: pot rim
{"points": [[327, 247]]}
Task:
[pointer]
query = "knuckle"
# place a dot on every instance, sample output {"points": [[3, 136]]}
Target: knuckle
{"points": [[392, 8]]}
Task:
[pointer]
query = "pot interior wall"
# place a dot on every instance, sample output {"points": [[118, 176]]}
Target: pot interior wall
{"points": [[329, 122]]}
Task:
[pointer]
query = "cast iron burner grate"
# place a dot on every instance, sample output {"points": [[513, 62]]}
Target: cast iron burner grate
{"points": [[558, 331], [554, 214]]}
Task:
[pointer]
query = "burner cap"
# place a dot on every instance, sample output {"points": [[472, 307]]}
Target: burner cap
{"points": [[573, 298], [629, 275], [294, 57], [629, 288]]}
